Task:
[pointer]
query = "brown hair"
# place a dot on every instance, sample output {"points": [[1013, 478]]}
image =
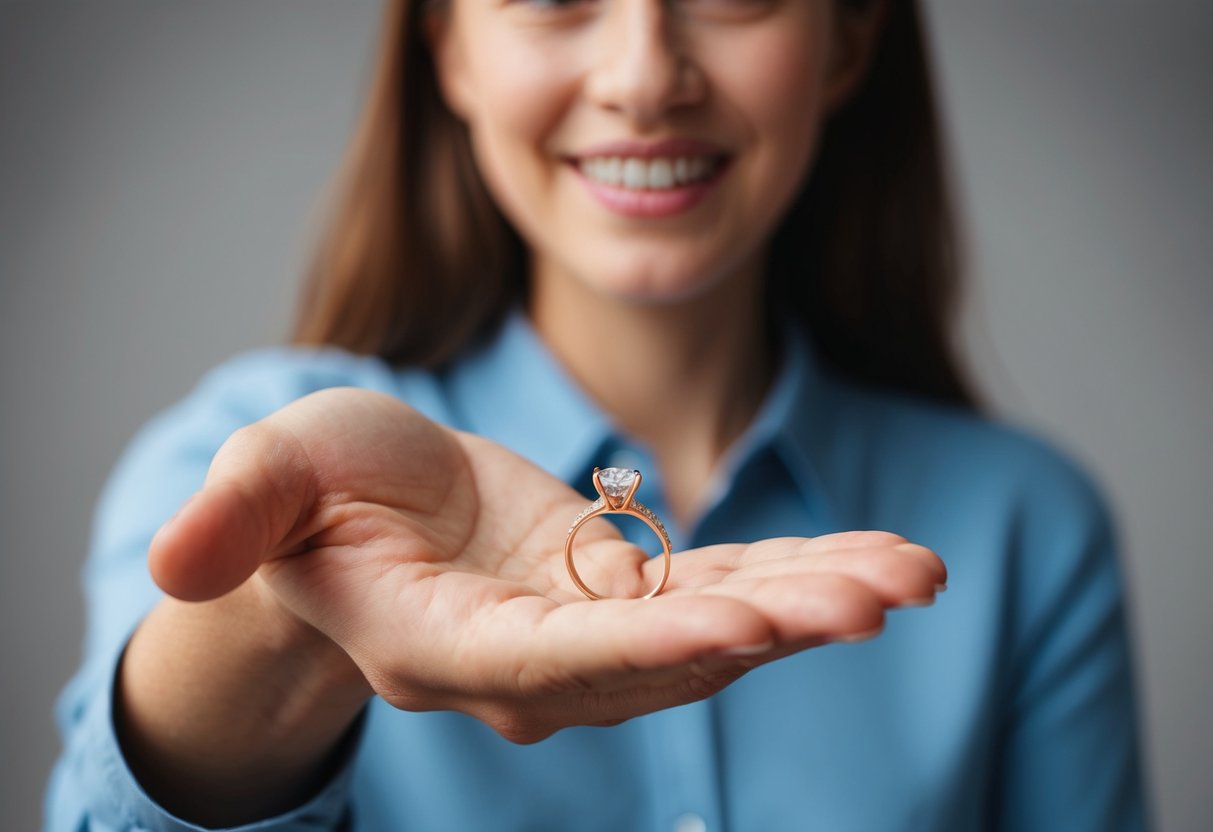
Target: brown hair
{"points": [[417, 261]]}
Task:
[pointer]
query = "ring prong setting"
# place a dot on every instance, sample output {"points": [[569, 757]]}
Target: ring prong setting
{"points": [[616, 487]]}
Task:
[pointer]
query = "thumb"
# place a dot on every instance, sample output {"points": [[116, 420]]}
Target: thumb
{"points": [[259, 487]]}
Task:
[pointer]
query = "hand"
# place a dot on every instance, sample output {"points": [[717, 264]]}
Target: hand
{"points": [[434, 559]]}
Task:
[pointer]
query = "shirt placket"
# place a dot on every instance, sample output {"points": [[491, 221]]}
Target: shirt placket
{"points": [[682, 742]]}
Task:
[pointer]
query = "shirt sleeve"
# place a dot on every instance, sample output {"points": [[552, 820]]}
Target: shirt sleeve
{"points": [[1069, 741], [91, 787]]}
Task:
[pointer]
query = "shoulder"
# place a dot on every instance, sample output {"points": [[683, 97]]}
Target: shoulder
{"points": [[169, 455], [978, 464], [253, 384], [1025, 527]]}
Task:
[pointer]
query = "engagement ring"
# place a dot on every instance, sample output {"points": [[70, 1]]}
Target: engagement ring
{"points": [[615, 487]]}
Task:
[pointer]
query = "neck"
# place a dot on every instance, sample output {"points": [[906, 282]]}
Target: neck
{"points": [[683, 378]]}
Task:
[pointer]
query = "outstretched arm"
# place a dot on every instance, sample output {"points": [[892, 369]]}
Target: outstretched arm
{"points": [[346, 546]]}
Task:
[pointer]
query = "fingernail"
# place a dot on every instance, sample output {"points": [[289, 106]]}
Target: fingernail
{"points": [[748, 649], [941, 587], [851, 638], [918, 602]]}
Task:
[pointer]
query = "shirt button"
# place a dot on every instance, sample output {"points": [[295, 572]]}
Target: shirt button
{"points": [[690, 822]]}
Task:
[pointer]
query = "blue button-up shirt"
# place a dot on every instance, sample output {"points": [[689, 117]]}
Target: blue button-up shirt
{"points": [[1005, 706]]}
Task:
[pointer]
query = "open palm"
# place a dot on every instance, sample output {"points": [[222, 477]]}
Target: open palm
{"points": [[434, 559]]}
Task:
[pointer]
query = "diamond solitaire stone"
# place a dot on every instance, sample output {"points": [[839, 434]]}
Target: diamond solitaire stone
{"points": [[616, 481]]}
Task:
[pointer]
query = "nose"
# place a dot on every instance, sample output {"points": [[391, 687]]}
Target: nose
{"points": [[641, 70]]}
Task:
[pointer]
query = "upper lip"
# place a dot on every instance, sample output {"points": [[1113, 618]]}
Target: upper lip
{"points": [[651, 150]]}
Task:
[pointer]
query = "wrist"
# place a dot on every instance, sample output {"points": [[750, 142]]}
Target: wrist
{"points": [[308, 668], [233, 710]]}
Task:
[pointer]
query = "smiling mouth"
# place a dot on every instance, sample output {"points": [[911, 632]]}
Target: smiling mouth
{"points": [[650, 174]]}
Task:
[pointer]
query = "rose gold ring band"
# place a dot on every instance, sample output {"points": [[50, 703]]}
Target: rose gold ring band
{"points": [[616, 487]]}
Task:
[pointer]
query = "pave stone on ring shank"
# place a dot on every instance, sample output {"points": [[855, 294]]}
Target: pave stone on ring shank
{"points": [[616, 487]]}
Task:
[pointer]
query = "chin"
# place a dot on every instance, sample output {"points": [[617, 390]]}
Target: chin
{"points": [[653, 292], [657, 284]]}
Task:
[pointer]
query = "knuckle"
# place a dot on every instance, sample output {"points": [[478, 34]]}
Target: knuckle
{"points": [[867, 539], [403, 699], [848, 603], [519, 728], [392, 687], [253, 437], [703, 685], [878, 539]]}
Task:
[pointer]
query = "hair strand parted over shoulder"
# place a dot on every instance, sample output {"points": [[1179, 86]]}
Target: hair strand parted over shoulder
{"points": [[416, 261]]}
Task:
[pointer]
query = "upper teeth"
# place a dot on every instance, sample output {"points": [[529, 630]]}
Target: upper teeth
{"points": [[648, 173]]}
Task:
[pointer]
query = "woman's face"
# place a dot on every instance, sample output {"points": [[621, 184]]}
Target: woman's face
{"points": [[645, 148]]}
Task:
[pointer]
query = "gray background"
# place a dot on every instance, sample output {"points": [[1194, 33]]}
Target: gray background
{"points": [[160, 165]]}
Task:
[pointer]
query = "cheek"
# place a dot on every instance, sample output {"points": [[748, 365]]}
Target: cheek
{"points": [[773, 83], [522, 92], [775, 79]]}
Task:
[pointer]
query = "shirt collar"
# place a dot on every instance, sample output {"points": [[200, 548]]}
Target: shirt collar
{"points": [[798, 425], [511, 389], [793, 424]]}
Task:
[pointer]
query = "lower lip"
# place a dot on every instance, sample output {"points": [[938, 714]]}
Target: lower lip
{"points": [[651, 203]]}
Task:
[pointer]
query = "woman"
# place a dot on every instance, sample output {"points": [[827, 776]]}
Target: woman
{"points": [[706, 240]]}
